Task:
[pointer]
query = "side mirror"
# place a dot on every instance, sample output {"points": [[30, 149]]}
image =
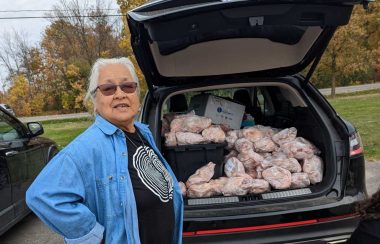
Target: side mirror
{"points": [[35, 128]]}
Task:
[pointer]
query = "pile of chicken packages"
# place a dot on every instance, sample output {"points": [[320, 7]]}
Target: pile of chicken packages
{"points": [[189, 129], [260, 158]]}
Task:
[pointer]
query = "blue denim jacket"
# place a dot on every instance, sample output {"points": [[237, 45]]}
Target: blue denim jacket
{"points": [[85, 193]]}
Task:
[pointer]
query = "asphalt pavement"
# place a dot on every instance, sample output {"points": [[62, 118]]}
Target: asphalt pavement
{"points": [[350, 89]]}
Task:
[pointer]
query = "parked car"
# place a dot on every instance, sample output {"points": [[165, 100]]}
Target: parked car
{"points": [[23, 154], [8, 108], [262, 47]]}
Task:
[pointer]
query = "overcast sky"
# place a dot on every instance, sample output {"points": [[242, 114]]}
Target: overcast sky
{"points": [[32, 28]]}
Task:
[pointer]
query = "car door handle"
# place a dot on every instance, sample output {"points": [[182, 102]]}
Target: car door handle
{"points": [[11, 153]]}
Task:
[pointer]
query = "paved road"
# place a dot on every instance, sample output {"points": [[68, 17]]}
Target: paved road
{"points": [[54, 117], [32, 231], [349, 89]]}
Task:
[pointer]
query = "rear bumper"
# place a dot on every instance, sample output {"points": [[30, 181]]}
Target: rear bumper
{"points": [[319, 232]]}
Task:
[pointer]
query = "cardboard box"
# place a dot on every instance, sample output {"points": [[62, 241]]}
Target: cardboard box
{"points": [[220, 110]]}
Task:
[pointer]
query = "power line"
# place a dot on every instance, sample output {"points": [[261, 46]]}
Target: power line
{"points": [[66, 16], [52, 10]]}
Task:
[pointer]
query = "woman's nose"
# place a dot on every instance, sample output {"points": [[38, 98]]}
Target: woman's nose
{"points": [[119, 93]]}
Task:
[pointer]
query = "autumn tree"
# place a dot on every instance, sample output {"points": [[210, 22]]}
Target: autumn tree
{"points": [[18, 95], [372, 26], [21, 59], [125, 41], [346, 56], [78, 35]]}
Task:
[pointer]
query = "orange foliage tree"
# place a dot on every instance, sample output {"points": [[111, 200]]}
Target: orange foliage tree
{"points": [[125, 41]]}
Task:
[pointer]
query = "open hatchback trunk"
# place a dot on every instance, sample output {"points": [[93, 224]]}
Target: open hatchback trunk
{"points": [[179, 42], [190, 51], [277, 104]]}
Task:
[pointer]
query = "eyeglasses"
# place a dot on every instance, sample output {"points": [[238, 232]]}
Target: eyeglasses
{"points": [[110, 89]]}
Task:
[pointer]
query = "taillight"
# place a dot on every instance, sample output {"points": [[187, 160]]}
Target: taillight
{"points": [[356, 145]]}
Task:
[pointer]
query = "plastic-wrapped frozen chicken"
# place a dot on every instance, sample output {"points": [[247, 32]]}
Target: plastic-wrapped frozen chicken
{"points": [[290, 164], [300, 180], [214, 134], [182, 186], [285, 135], [170, 139], [278, 177], [233, 167], [195, 123], [202, 175], [259, 186], [264, 145], [314, 168], [298, 149], [243, 145], [237, 186], [231, 137], [201, 190], [252, 134], [218, 184], [189, 138]]}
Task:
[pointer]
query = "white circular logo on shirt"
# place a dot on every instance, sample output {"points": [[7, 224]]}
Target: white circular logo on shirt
{"points": [[153, 173]]}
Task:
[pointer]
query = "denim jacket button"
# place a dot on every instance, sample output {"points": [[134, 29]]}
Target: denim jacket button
{"points": [[121, 177]]}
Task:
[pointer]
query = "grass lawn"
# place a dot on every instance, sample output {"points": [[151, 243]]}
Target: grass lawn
{"points": [[362, 109], [63, 131]]}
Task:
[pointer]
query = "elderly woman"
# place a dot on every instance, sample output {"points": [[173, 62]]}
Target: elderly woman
{"points": [[110, 184]]}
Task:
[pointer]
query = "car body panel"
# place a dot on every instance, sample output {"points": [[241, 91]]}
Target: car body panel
{"points": [[7, 108], [22, 157], [312, 231], [251, 38]]}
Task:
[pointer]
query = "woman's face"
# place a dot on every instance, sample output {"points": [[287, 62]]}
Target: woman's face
{"points": [[119, 108]]}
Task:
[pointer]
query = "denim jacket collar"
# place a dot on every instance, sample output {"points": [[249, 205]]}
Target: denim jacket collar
{"points": [[104, 125], [109, 129]]}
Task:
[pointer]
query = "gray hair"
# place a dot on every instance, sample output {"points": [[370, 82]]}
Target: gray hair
{"points": [[98, 65]]}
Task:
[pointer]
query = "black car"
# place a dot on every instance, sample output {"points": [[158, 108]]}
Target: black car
{"points": [[253, 53], [23, 154]]}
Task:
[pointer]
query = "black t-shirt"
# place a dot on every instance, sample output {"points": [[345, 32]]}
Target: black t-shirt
{"points": [[368, 231], [153, 189]]}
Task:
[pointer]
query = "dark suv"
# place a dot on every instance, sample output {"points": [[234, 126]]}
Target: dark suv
{"points": [[220, 48], [23, 154]]}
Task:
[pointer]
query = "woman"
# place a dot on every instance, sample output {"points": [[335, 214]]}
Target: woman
{"points": [[368, 230], [110, 184]]}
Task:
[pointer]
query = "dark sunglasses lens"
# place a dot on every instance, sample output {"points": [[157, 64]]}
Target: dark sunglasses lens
{"points": [[128, 87], [107, 89]]}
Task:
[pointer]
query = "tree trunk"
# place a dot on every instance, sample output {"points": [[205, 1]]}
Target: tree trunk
{"points": [[333, 85], [333, 77]]}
